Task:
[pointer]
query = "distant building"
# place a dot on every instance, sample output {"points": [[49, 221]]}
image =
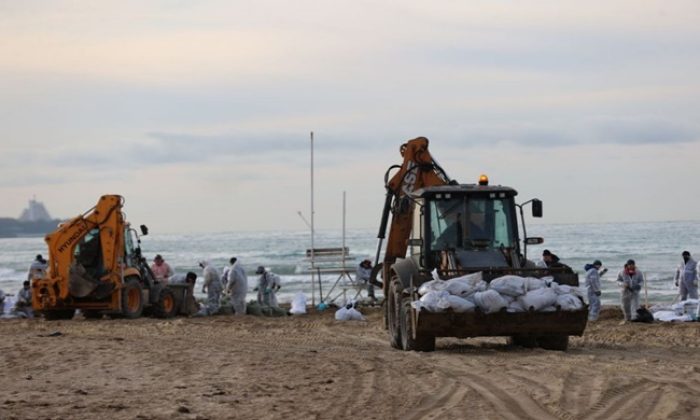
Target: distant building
{"points": [[36, 212], [34, 221]]}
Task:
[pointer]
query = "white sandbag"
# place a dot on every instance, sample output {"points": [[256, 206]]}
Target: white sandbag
{"points": [[458, 304], [671, 316], [432, 286], [509, 285], [565, 289], [685, 306], [532, 283], [551, 308], [431, 301], [342, 314], [515, 306], [569, 302], [354, 315], [465, 285], [538, 298], [509, 299], [298, 304], [489, 301]]}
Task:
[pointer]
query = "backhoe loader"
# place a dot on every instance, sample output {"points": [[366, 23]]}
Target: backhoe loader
{"points": [[95, 265], [452, 229]]}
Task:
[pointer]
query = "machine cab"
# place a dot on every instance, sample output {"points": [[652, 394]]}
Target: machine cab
{"points": [[466, 227]]}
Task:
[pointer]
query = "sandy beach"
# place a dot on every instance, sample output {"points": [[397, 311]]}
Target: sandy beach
{"points": [[315, 367]]}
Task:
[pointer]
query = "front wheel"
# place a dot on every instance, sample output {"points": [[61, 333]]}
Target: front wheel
{"points": [[132, 299], [165, 306], [392, 314], [420, 342]]}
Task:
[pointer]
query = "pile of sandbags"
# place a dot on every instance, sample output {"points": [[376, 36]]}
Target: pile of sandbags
{"points": [[683, 311], [512, 293], [349, 312]]}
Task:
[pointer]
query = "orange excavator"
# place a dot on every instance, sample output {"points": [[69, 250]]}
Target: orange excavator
{"points": [[439, 225], [95, 265]]}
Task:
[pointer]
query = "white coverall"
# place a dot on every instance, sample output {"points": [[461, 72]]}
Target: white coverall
{"points": [[224, 276], [363, 274], [212, 287], [23, 304], [37, 270], [237, 288], [268, 284], [687, 279], [2, 302], [593, 283], [630, 285]]}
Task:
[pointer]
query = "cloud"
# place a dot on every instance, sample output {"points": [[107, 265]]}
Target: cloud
{"points": [[642, 131]]}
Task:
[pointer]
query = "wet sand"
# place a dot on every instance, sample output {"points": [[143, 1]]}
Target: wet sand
{"points": [[315, 367]]}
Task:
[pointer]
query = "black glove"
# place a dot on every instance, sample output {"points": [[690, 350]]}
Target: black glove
{"points": [[598, 293]]}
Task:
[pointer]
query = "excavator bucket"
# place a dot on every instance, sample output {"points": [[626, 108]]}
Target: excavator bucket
{"points": [[80, 283]]}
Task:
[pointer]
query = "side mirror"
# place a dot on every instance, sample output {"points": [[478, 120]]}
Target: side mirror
{"points": [[534, 241], [144, 230], [536, 208]]}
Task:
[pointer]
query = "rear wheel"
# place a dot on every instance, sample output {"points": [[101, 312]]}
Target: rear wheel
{"points": [[421, 342], [554, 342], [58, 314], [392, 308], [165, 306], [132, 299]]}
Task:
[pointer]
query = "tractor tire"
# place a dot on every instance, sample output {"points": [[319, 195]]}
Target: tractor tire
{"points": [[554, 342], [132, 299], [526, 341], [392, 314], [58, 314], [421, 342], [165, 306]]}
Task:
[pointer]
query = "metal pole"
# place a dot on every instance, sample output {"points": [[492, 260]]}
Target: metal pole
{"points": [[313, 263], [343, 252]]}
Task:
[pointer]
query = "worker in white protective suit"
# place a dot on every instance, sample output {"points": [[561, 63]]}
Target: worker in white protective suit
{"points": [[181, 278], [2, 302], [630, 281], [593, 283], [268, 284], [212, 287], [686, 277], [226, 271], [363, 274], [37, 269], [23, 304], [237, 287]]}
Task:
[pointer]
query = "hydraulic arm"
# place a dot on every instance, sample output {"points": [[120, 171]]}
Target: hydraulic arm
{"points": [[418, 170]]}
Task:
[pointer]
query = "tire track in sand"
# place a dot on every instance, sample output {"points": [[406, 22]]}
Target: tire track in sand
{"points": [[507, 403], [617, 401]]}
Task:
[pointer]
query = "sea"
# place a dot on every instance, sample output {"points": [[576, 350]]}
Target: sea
{"points": [[655, 246]]}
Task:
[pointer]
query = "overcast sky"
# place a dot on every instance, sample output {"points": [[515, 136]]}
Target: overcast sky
{"points": [[199, 112]]}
